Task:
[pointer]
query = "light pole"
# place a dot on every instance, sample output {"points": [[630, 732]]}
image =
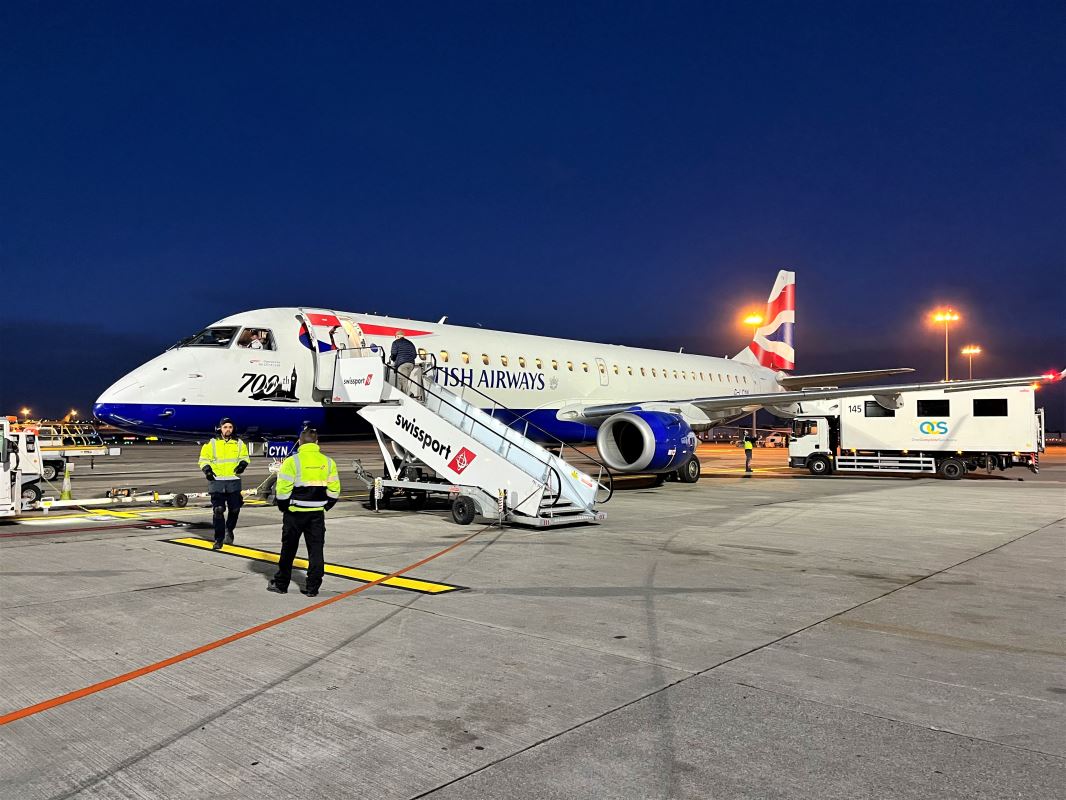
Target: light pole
{"points": [[25, 413], [755, 320], [947, 316], [970, 351]]}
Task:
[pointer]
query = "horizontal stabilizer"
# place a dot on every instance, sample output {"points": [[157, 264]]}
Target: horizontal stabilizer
{"points": [[837, 378]]}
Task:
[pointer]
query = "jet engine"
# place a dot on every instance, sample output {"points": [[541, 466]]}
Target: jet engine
{"points": [[645, 441]]}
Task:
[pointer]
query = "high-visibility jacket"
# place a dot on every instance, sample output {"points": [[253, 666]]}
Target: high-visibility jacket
{"points": [[748, 444], [223, 456], [308, 479]]}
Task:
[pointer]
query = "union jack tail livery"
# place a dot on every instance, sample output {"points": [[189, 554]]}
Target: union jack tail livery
{"points": [[772, 344]]}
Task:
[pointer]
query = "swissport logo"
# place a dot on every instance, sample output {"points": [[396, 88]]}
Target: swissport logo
{"points": [[463, 459]]}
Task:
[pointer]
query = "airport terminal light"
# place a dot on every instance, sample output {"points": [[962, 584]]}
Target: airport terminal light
{"points": [[947, 316], [26, 412], [970, 351], [756, 320]]}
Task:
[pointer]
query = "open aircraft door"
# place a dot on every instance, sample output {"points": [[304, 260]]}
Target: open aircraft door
{"points": [[327, 336]]}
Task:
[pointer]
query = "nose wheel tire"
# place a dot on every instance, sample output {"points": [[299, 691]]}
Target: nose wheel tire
{"points": [[463, 510], [690, 473]]}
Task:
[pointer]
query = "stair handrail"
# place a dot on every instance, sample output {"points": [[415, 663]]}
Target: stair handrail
{"points": [[604, 469], [440, 391]]}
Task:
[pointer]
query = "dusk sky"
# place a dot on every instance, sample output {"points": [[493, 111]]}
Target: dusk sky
{"points": [[633, 173]]}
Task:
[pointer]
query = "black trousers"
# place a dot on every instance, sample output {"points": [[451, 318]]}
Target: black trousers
{"points": [[311, 525], [220, 501]]}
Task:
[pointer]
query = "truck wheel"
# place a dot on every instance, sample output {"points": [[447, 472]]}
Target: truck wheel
{"points": [[180, 500], [463, 510], [952, 469], [819, 465], [49, 471], [31, 493], [690, 473]]}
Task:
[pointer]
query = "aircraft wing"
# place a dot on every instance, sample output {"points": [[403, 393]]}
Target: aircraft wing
{"points": [[594, 414], [837, 378]]}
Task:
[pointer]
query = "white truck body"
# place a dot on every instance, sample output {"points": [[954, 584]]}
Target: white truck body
{"points": [[920, 431]]}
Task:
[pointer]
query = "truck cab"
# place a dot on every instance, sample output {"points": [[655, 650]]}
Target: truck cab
{"points": [[810, 444]]}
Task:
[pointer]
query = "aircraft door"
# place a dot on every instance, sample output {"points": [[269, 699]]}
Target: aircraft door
{"points": [[601, 368], [327, 337]]}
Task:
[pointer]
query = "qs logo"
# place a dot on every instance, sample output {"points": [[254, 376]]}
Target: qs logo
{"points": [[929, 428]]}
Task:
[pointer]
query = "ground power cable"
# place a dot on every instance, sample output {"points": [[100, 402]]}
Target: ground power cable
{"points": [[77, 694]]}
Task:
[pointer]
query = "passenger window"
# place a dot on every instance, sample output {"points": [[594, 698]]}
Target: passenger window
{"points": [[555, 364], [684, 377], [503, 360], [719, 377], [485, 358], [465, 357], [990, 407], [745, 379], [259, 339], [629, 371], [584, 366], [540, 363], [729, 378], [444, 356], [934, 408], [643, 374], [653, 373], [210, 337], [616, 369], [422, 353], [702, 378], [522, 362], [570, 365]]}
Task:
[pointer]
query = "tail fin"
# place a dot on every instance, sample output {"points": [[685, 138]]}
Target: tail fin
{"points": [[771, 346]]}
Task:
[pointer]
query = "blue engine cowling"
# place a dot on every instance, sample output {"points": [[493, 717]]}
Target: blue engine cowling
{"points": [[645, 441]]}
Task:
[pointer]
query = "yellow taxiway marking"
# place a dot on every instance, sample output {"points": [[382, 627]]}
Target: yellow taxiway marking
{"points": [[341, 571]]}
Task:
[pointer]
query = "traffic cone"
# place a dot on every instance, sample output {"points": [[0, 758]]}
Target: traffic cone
{"points": [[65, 494]]}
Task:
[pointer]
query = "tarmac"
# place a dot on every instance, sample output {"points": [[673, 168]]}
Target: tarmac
{"points": [[765, 636]]}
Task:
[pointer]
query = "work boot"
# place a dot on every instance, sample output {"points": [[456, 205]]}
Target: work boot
{"points": [[309, 592], [217, 545], [229, 537], [273, 587]]}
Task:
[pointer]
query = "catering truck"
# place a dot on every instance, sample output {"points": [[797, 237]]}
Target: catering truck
{"points": [[943, 431]]}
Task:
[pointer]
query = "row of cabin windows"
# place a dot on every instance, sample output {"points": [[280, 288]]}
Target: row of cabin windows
{"points": [[631, 371], [982, 407]]}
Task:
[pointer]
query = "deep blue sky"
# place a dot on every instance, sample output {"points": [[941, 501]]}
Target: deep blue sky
{"points": [[620, 172]]}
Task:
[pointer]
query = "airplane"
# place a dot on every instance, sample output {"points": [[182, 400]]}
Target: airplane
{"points": [[271, 370]]}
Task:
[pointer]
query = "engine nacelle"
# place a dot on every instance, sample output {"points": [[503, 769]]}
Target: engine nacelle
{"points": [[645, 441]]}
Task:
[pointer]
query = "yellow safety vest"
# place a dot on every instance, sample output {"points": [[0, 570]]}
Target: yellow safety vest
{"points": [[223, 456], [748, 445], [308, 479]]}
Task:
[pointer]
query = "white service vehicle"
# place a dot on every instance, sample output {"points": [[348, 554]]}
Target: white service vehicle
{"points": [[950, 431], [10, 482]]}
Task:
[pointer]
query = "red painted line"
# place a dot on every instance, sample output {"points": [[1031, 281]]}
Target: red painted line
{"points": [[69, 697]]}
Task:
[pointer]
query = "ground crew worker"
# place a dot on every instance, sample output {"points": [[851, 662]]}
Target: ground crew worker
{"points": [[222, 461], [749, 447], [403, 359], [308, 486]]}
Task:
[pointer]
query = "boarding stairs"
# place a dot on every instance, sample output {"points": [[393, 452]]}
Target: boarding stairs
{"points": [[422, 427]]}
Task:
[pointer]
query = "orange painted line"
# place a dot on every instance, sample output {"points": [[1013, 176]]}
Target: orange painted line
{"points": [[70, 697]]}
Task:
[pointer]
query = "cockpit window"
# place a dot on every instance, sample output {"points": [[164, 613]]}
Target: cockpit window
{"points": [[256, 339], [210, 337]]}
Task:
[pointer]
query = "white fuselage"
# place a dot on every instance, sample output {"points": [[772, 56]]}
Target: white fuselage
{"points": [[269, 391]]}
